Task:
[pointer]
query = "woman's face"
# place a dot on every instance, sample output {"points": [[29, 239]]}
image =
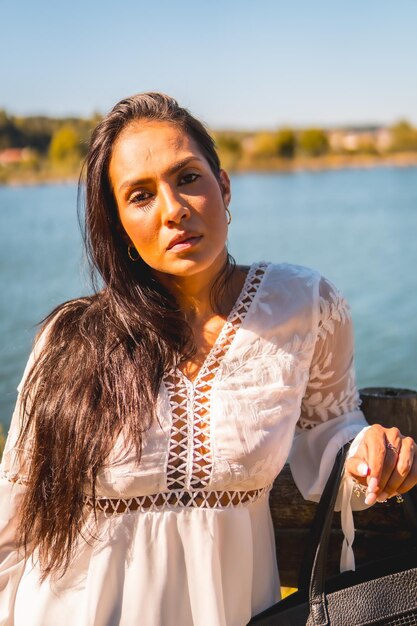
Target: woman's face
{"points": [[170, 204]]}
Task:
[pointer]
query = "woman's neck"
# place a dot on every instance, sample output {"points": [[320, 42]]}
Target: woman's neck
{"points": [[194, 293]]}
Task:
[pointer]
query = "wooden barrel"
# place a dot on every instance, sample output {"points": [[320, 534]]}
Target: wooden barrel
{"points": [[382, 529], [391, 407]]}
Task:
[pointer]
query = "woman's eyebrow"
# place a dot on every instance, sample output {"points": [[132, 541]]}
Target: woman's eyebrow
{"points": [[178, 166], [173, 169]]}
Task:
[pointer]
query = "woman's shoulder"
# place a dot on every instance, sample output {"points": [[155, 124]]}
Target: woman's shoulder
{"points": [[284, 273], [299, 290], [308, 290], [310, 277], [281, 270]]}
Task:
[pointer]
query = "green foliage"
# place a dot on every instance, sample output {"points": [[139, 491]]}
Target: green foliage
{"points": [[55, 146], [65, 145], [229, 148], [313, 142], [368, 147], [10, 135], [404, 137], [36, 132], [228, 142], [286, 143], [264, 145], [281, 143]]}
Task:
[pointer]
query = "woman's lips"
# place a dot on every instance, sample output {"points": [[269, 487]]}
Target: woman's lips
{"points": [[185, 243]]}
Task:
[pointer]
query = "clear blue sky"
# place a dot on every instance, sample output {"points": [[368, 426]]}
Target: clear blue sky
{"points": [[234, 63]]}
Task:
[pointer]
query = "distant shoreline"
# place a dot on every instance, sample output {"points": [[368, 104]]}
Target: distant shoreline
{"points": [[330, 162], [274, 166]]}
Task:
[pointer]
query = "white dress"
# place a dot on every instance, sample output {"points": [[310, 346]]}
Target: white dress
{"points": [[185, 538]]}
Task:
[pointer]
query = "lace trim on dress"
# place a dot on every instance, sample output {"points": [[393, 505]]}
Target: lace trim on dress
{"points": [[189, 461], [163, 500], [177, 498]]}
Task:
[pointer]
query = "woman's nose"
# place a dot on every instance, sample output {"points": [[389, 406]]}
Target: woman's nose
{"points": [[174, 209]]}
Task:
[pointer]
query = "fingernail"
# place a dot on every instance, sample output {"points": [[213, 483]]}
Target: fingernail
{"points": [[372, 484], [363, 469], [370, 499], [383, 496]]}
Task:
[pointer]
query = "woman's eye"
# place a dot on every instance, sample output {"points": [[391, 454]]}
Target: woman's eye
{"points": [[188, 178], [140, 197]]}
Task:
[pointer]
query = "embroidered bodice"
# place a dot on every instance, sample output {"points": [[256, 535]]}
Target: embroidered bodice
{"points": [[190, 463], [189, 526]]}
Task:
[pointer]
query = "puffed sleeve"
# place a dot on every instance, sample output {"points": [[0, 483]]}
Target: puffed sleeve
{"points": [[12, 487], [330, 413]]}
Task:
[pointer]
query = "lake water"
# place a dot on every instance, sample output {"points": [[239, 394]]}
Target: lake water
{"points": [[358, 227]]}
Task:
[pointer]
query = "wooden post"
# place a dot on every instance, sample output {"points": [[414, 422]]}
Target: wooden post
{"points": [[391, 407], [382, 529]]}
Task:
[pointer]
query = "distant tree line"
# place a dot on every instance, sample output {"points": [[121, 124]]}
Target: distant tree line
{"points": [[52, 146], [404, 137], [57, 145], [38, 132], [286, 144]]}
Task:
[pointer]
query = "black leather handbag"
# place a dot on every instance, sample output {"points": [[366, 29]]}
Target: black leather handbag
{"points": [[383, 593]]}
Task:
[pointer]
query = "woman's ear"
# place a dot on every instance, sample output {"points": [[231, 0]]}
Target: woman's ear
{"points": [[224, 182]]}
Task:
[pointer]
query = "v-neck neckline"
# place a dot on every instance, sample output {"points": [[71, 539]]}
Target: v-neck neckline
{"points": [[230, 327], [189, 463]]}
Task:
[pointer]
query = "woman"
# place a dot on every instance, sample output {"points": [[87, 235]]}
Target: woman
{"points": [[154, 415]]}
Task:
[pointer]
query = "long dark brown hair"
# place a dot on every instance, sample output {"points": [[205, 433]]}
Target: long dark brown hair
{"points": [[103, 357]]}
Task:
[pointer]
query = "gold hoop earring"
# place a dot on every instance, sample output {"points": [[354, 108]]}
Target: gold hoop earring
{"points": [[229, 216], [131, 256]]}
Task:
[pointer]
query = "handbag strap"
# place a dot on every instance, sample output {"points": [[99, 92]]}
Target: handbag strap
{"points": [[323, 515], [313, 568]]}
